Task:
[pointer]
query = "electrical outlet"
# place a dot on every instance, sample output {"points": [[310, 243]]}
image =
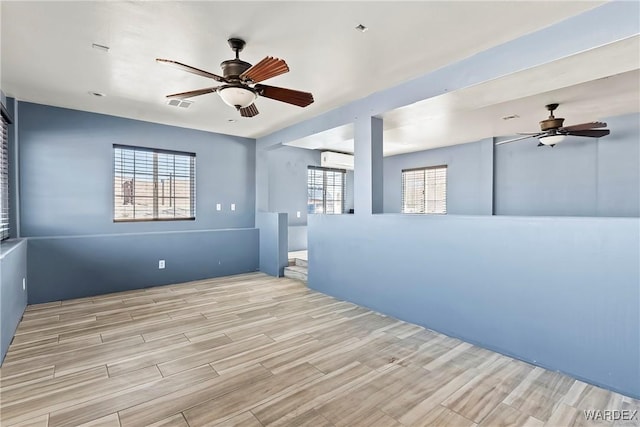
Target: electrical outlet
{"points": [[218, 207], [298, 214], [161, 264], [233, 206], [24, 284]]}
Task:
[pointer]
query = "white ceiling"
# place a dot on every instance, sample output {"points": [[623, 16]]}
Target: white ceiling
{"points": [[595, 84], [47, 55]]}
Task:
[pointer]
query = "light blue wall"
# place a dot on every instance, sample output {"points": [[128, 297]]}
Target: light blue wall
{"points": [[273, 242], [618, 157], [288, 181], [287, 188], [368, 179], [62, 268], [66, 172], [66, 204], [469, 176], [579, 177], [297, 237], [562, 293], [13, 299]]}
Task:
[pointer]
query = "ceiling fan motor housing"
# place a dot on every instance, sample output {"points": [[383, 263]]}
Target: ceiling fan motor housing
{"points": [[551, 123], [232, 68]]}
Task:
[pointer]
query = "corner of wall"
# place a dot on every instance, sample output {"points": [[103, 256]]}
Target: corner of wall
{"points": [[13, 292]]}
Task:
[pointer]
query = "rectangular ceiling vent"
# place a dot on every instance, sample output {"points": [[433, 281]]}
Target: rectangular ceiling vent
{"points": [[179, 103], [331, 159]]}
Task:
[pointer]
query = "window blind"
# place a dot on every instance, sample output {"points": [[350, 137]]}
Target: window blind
{"points": [[152, 185], [326, 190], [4, 180], [424, 190]]}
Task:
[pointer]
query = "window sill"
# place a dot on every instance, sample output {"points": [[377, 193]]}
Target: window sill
{"points": [[154, 219], [7, 246]]}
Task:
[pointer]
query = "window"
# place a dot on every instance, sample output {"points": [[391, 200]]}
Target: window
{"points": [[4, 177], [326, 188], [153, 185], [424, 190]]}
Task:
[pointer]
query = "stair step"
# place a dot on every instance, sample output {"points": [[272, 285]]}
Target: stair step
{"points": [[298, 262], [296, 272]]}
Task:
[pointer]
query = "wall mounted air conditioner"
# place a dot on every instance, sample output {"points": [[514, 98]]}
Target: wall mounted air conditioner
{"points": [[331, 159]]}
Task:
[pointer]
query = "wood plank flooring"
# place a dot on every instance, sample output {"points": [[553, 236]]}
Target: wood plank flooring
{"points": [[253, 350]]}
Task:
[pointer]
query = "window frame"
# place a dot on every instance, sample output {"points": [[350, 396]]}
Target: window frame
{"points": [[343, 186], [425, 190], [157, 151]]}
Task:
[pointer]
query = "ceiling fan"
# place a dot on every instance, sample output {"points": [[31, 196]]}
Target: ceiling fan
{"points": [[552, 130], [241, 82]]}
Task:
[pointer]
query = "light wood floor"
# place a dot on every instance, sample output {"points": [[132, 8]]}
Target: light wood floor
{"points": [[253, 350]]}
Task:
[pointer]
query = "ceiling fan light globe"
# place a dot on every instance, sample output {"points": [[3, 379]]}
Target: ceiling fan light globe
{"points": [[552, 139], [237, 97]]}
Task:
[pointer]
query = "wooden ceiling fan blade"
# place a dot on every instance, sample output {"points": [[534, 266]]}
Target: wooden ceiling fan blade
{"points": [[590, 133], [267, 68], [249, 111], [193, 70], [192, 93], [290, 96], [585, 126], [519, 139]]}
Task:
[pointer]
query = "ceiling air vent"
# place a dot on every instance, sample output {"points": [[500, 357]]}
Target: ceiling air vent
{"points": [[179, 103]]}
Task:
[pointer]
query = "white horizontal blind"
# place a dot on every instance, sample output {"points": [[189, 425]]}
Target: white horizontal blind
{"points": [[436, 189], [424, 190], [326, 190], [4, 182], [413, 191], [153, 184], [315, 190]]}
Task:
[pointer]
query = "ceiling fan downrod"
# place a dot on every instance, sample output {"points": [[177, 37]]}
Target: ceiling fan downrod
{"points": [[236, 45], [552, 122]]}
